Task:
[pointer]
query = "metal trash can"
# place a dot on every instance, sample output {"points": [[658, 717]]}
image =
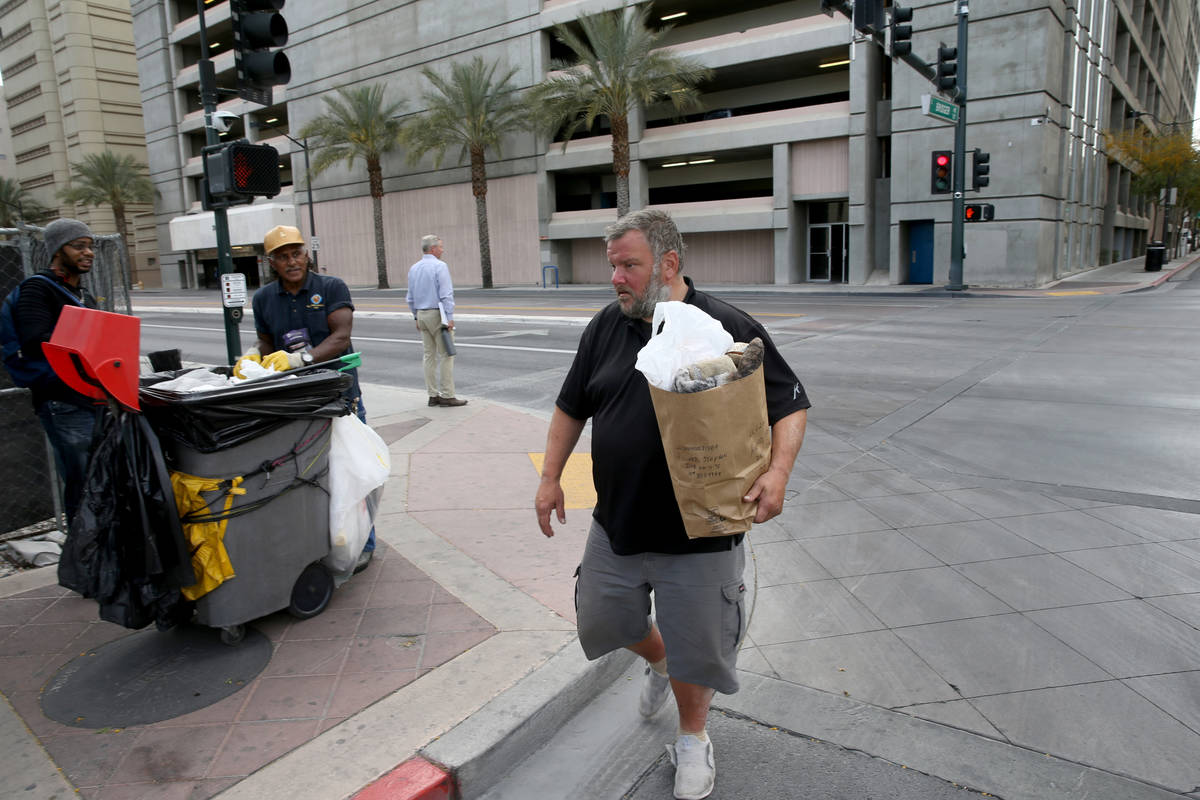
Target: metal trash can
{"points": [[1155, 256], [275, 435]]}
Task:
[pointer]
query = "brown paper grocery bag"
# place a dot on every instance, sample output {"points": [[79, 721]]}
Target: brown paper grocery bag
{"points": [[717, 444]]}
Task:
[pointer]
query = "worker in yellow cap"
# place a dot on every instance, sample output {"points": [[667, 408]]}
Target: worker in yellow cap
{"points": [[303, 318]]}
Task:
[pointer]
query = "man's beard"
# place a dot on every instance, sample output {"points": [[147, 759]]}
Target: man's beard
{"points": [[655, 292], [71, 264]]}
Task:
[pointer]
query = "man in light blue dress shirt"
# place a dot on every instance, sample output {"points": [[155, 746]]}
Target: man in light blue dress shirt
{"points": [[430, 297]]}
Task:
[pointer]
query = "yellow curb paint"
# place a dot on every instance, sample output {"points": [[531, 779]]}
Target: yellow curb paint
{"points": [[1065, 294], [578, 490]]}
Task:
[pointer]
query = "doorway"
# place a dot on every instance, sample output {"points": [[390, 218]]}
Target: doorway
{"points": [[920, 252], [827, 252]]}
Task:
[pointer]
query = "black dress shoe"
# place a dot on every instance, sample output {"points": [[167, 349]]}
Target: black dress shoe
{"points": [[435, 401], [452, 401]]}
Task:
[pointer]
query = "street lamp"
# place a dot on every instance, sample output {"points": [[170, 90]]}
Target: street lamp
{"points": [[303, 145]]}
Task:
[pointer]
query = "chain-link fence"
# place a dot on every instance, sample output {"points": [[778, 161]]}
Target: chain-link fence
{"points": [[29, 500]]}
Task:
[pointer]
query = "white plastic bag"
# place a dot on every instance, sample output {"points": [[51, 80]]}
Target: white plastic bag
{"points": [[359, 466], [687, 335]]}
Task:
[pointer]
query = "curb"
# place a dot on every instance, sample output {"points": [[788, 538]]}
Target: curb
{"points": [[1166, 276], [415, 779], [482, 749]]}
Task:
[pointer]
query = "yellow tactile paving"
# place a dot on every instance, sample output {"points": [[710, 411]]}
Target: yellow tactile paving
{"points": [[578, 490]]}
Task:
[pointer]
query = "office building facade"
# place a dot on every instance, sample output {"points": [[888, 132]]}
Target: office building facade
{"points": [[810, 161], [71, 87]]}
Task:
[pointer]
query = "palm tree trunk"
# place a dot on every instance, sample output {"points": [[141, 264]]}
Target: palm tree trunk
{"points": [[479, 189], [375, 174], [620, 150], [123, 230]]}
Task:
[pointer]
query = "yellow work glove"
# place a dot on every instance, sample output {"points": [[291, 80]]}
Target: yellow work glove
{"points": [[250, 355], [282, 361]]}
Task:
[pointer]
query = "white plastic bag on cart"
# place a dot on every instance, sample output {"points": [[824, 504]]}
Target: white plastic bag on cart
{"points": [[359, 465], [681, 334]]}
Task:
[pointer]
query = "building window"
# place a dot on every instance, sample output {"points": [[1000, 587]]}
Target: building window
{"points": [[36, 152], [28, 125], [16, 36], [40, 180], [24, 96], [20, 66]]}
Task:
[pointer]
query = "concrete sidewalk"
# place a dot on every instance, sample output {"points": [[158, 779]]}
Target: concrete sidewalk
{"points": [[459, 545]]}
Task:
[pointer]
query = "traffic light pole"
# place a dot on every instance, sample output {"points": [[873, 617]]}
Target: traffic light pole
{"points": [[208, 95], [960, 158]]}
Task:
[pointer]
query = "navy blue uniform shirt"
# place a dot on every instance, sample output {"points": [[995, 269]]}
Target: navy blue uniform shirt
{"points": [[294, 320]]}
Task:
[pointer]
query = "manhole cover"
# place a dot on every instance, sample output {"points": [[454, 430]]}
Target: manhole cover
{"points": [[151, 676]]}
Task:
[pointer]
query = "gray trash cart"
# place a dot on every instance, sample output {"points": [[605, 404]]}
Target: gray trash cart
{"points": [[275, 436]]}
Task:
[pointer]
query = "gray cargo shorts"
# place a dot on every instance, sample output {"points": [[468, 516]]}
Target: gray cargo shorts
{"points": [[699, 601]]}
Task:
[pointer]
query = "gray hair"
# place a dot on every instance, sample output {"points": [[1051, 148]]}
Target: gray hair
{"points": [[429, 242], [658, 228]]}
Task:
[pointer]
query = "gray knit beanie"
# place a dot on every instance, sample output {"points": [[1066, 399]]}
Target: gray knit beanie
{"points": [[60, 232]]}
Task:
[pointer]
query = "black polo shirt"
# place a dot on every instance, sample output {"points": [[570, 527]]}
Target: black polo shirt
{"points": [[278, 312], [635, 500]]}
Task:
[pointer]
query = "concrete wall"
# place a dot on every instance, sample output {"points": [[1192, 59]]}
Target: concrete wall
{"points": [[346, 230], [71, 82]]}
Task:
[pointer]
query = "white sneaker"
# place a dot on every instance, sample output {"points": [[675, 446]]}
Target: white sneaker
{"points": [[695, 770], [654, 692]]}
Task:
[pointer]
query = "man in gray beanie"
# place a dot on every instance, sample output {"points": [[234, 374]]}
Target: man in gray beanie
{"points": [[68, 416]]}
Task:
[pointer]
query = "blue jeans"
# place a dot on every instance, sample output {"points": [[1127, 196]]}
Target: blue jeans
{"points": [[70, 429], [361, 411]]}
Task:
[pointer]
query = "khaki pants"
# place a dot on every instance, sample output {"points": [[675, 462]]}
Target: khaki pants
{"points": [[439, 365]]}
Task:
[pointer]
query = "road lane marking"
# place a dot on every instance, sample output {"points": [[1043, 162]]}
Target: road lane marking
{"points": [[392, 341]]}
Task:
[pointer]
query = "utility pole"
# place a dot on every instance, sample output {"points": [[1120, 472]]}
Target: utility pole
{"points": [[960, 158], [208, 95]]}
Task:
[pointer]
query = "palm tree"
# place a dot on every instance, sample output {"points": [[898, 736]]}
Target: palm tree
{"points": [[617, 67], [473, 109], [16, 203], [359, 123], [114, 180]]}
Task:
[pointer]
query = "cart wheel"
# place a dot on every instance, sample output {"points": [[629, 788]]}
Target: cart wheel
{"points": [[311, 592], [233, 634]]}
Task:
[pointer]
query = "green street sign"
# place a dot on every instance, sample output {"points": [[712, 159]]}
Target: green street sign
{"points": [[932, 106]]}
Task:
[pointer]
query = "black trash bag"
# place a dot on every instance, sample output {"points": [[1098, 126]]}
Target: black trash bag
{"points": [[208, 422], [126, 547]]}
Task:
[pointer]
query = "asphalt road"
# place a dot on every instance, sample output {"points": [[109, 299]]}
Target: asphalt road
{"points": [[514, 346]]}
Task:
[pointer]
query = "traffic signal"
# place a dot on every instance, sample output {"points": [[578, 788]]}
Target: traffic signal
{"points": [[256, 29], [979, 212], [947, 69], [237, 172], [868, 15], [942, 172], [901, 31], [980, 170]]}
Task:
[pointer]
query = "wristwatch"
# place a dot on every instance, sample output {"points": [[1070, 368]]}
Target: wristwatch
{"points": [[306, 357]]}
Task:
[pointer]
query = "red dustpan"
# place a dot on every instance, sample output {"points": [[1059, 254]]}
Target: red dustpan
{"points": [[96, 353]]}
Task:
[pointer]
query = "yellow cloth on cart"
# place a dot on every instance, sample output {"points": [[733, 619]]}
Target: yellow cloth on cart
{"points": [[209, 557]]}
